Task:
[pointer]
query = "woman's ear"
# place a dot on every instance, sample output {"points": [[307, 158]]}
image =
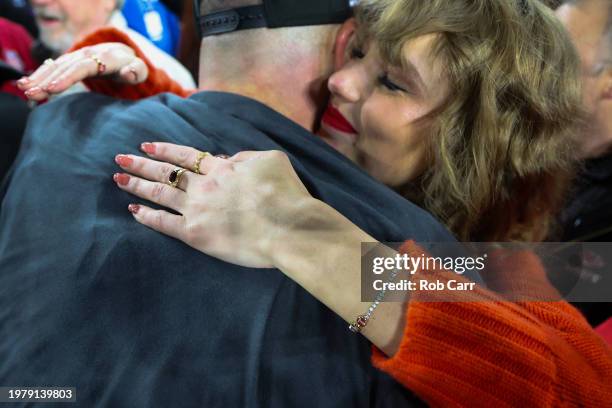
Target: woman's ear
{"points": [[345, 33]]}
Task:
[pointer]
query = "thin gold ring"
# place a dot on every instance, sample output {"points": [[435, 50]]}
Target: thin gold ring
{"points": [[101, 68], [198, 162], [174, 179], [49, 61]]}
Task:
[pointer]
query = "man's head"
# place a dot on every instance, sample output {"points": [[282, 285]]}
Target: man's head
{"points": [[62, 22], [285, 68], [590, 25]]}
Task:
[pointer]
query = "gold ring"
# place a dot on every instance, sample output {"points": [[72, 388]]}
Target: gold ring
{"points": [[101, 66], [49, 61], [196, 166], [175, 176]]}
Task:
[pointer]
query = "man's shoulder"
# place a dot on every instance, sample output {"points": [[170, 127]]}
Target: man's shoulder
{"points": [[80, 107], [93, 118], [90, 112], [84, 101]]}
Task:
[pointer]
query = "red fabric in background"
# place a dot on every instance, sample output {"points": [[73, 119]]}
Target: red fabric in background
{"points": [[15, 45], [605, 330]]}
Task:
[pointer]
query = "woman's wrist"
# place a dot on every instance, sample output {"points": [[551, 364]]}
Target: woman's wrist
{"points": [[321, 251], [310, 225]]}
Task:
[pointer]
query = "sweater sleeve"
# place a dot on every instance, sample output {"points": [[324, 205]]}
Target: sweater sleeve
{"points": [[483, 350], [157, 82]]}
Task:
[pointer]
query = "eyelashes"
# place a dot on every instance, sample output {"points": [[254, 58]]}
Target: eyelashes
{"points": [[390, 85], [383, 79]]}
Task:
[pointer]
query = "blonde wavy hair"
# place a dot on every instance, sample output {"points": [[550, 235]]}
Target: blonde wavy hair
{"points": [[502, 145]]}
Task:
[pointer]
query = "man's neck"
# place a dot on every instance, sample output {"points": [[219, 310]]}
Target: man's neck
{"points": [[297, 92], [296, 105]]}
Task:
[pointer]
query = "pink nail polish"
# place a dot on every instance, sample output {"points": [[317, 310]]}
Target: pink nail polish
{"points": [[133, 208], [123, 161], [148, 148], [121, 178]]}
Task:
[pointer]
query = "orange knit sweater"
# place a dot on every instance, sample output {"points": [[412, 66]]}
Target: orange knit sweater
{"points": [[488, 352]]}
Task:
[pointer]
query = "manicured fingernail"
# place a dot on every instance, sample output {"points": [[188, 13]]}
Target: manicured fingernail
{"points": [[134, 208], [23, 81], [121, 178], [148, 148], [123, 161], [51, 86], [33, 91], [134, 74]]}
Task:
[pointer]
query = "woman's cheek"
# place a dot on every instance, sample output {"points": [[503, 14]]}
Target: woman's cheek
{"points": [[378, 118], [379, 159], [395, 161], [394, 147]]}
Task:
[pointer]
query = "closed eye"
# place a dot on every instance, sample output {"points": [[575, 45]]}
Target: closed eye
{"points": [[387, 83]]}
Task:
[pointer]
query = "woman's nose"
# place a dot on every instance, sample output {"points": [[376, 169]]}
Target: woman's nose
{"points": [[344, 84]]}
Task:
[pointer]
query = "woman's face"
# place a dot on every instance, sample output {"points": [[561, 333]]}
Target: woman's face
{"points": [[377, 112]]}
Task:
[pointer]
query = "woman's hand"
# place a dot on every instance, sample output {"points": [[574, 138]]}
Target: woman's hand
{"points": [[234, 210], [115, 60], [251, 209]]}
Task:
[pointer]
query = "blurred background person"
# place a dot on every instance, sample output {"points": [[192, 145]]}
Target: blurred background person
{"points": [[20, 12], [14, 113], [588, 213], [15, 46], [15, 61], [64, 22]]}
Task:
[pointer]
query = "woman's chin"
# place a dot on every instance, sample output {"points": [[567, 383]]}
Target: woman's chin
{"points": [[343, 145]]}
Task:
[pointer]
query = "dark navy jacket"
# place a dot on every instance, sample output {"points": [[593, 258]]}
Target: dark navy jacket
{"points": [[91, 299]]}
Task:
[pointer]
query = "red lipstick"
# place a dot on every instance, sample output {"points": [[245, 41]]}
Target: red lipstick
{"points": [[334, 118]]}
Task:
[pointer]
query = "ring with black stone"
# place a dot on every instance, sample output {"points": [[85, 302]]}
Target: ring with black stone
{"points": [[174, 179]]}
